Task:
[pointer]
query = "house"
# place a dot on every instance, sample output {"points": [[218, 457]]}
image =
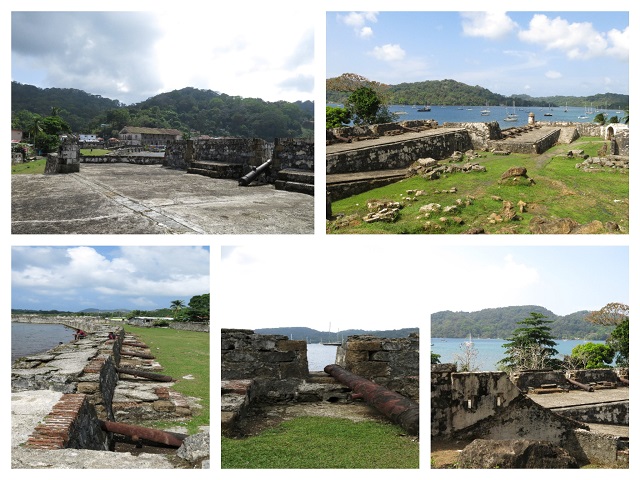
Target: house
{"points": [[16, 136], [148, 136], [88, 137]]}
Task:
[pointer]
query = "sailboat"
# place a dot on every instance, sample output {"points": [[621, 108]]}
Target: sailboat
{"points": [[548, 114], [330, 343], [469, 342], [426, 108], [512, 117], [484, 112]]}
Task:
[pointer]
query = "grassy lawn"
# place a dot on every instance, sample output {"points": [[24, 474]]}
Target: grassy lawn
{"points": [[37, 166], [181, 353], [320, 442], [93, 152], [560, 191]]}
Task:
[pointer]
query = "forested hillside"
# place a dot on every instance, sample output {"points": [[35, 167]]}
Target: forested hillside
{"points": [[453, 93], [315, 336], [190, 110], [501, 322]]}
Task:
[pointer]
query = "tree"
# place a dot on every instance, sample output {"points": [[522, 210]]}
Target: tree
{"points": [[367, 108], [337, 117], [599, 119], [435, 358], [466, 361], [617, 314], [531, 347], [199, 308], [592, 355]]}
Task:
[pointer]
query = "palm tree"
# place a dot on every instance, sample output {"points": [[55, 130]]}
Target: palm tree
{"points": [[35, 127], [176, 305]]}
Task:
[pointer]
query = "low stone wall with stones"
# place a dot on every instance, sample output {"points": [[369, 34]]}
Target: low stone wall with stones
{"points": [[178, 154], [244, 151], [398, 155], [190, 326], [391, 362], [87, 323], [364, 132], [479, 133]]}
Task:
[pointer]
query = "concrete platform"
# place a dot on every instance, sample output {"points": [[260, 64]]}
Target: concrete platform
{"points": [[149, 199]]}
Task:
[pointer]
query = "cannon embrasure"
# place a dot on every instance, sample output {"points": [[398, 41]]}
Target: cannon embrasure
{"points": [[253, 174], [144, 374], [144, 433], [397, 408]]}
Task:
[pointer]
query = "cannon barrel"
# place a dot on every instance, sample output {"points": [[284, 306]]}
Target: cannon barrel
{"points": [[144, 374], [134, 431], [253, 174], [587, 388], [135, 344], [394, 406]]}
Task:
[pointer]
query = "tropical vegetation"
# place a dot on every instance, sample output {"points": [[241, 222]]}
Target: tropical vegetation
{"points": [[193, 111]]}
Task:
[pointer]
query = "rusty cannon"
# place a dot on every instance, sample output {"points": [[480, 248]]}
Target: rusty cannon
{"points": [[586, 388], [143, 433], [394, 406], [144, 374], [129, 353], [254, 173]]}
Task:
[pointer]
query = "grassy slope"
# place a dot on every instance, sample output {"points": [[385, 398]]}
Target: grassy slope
{"points": [[37, 166], [181, 353], [560, 191], [317, 442]]}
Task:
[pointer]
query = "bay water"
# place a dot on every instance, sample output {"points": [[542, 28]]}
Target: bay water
{"points": [[319, 356], [490, 350], [32, 338]]}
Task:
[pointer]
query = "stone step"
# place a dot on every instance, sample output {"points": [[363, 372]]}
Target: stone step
{"points": [[296, 175], [294, 187], [216, 169]]}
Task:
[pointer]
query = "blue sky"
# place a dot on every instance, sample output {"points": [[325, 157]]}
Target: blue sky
{"points": [[80, 277], [372, 283], [534, 53], [131, 56]]}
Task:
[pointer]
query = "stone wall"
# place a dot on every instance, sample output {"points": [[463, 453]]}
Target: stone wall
{"points": [[72, 423], [190, 326], [245, 354], [178, 154], [250, 152], [398, 155], [362, 132], [67, 160], [295, 153], [391, 362], [488, 405], [479, 133], [136, 159]]}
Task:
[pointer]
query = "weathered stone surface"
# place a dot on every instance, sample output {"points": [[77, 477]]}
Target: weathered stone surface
{"points": [[195, 447], [514, 172], [515, 454], [164, 406]]}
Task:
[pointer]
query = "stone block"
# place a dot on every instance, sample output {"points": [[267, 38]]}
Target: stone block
{"points": [[371, 369], [291, 345], [366, 345], [164, 406], [88, 387]]}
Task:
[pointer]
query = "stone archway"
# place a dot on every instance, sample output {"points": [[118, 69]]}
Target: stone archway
{"points": [[610, 133]]}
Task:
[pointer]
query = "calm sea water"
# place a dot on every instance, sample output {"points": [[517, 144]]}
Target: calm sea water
{"points": [[31, 338], [490, 350], [319, 356], [497, 113]]}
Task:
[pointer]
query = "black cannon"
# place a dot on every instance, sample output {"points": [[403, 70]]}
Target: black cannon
{"points": [[394, 406], [253, 174]]}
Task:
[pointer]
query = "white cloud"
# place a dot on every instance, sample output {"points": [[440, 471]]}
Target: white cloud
{"points": [[618, 43], [366, 32], [553, 74], [491, 25], [389, 53], [579, 40]]}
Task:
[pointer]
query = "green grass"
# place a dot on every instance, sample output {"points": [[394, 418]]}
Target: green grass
{"points": [[37, 166], [320, 442], [560, 191], [95, 152], [181, 353]]}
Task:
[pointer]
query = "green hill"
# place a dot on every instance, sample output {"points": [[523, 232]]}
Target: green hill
{"points": [[315, 336], [501, 322]]}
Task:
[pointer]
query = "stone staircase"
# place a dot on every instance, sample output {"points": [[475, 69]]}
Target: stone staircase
{"points": [[216, 169], [295, 180]]}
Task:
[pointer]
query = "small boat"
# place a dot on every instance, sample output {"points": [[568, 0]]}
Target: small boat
{"points": [[512, 117], [426, 108], [485, 111]]}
